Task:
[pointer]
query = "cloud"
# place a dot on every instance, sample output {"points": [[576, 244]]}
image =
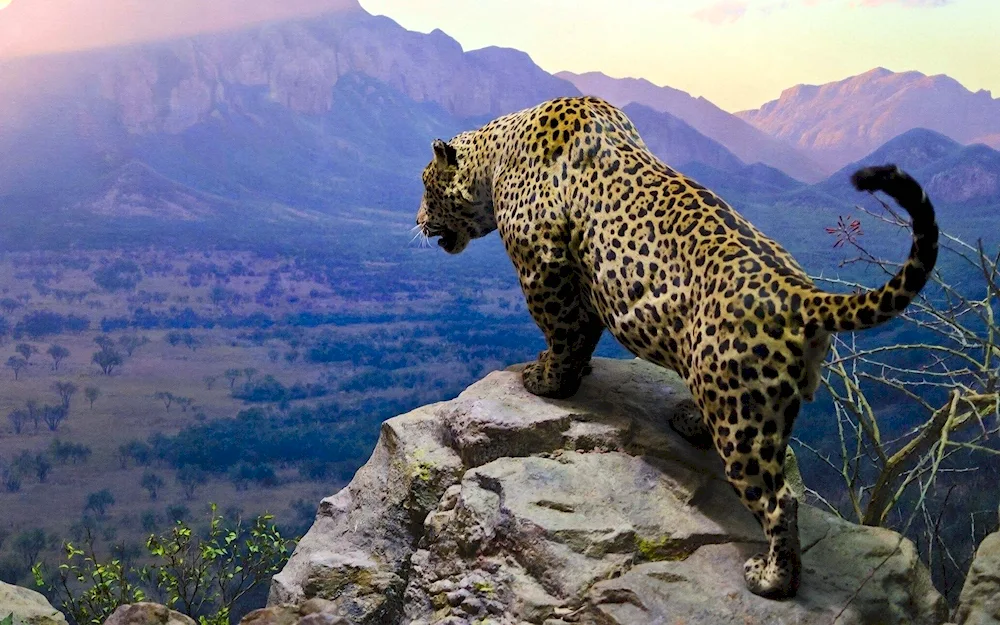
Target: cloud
{"points": [[723, 11]]}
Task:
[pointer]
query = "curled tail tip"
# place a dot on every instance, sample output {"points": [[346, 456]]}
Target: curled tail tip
{"points": [[895, 182], [877, 178]]}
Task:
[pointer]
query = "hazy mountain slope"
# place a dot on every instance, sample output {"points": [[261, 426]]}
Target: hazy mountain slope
{"points": [[748, 143], [842, 121], [677, 143], [324, 114], [952, 174]]}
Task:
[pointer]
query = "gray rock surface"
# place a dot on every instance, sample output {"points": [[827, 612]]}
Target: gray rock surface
{"points": [[979, 603], [28, 607], [145, 613], [501, 507]]}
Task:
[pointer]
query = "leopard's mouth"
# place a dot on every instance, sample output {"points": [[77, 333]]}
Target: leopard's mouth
{"points": [[448, 241]]}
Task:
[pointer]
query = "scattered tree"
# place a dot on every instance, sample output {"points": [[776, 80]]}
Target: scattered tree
{"points": [[42, 467], [249, 372], [58, 354], [138, 451], [9, 304], [34, 411], [150, 521], [26, 350], [191, 341], [65, 452], [66, 391], [92, 393], [18, 419], [29, 544], [152, 483], [17, 364], [119, 275], [190, 478], [54, 415], [166, 397], [209, 381], [231, 374], [131, 342], [104, 341], [99, 502], [11, 479], [178, 513], [107, 360]]}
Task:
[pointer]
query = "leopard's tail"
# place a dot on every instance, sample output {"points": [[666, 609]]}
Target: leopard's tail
{"points": [[837, 313]]}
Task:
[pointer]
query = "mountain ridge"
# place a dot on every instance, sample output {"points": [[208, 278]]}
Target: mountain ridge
{"points": [[842, 121], [744, 140]]}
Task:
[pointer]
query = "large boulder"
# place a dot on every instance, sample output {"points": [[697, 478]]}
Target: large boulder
{"points": [[145, 613], [979, 603], [502, 507], [27, 607]]}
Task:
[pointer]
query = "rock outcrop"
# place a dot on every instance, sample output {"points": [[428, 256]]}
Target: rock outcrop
{"points": [[146, 613], [501, 507], [27, 607], [979, 603]]}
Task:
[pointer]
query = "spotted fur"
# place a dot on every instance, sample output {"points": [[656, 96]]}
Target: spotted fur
{"points": [[606, 236]]}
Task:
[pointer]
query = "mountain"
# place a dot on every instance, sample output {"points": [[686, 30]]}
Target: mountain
{"points": [[748, 143], [841, 122], [327, 114], [952, 174], [703, 159], [677, 143]]}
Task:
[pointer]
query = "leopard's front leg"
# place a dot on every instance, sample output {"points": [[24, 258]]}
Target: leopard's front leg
{"points": [[559, 369], [572, 331]]}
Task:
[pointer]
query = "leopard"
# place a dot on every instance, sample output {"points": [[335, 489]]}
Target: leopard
{"points": [[604, 235]]}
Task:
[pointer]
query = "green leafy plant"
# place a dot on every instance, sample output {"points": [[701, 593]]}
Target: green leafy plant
{"points": [[202, 575]]}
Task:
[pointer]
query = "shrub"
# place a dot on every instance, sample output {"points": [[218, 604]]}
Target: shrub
{"points": [[200, 576]]}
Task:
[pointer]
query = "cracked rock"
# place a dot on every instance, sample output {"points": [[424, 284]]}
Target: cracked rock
{"points": [[505, 508]]}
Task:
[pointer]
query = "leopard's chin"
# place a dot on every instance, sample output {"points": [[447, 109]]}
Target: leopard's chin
{"points": [[453, 242]]}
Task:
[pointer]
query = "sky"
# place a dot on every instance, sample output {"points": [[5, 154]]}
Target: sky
{"points": [[737, 53], [39, 26]]}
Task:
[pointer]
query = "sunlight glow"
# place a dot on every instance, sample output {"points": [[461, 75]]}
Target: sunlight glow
{"points": [[4, 4]]}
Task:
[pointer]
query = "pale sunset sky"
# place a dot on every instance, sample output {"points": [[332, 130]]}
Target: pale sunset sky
{"points": [[736, 53]]}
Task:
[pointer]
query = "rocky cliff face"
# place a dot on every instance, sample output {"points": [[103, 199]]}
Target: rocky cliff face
{"points": [[501, 507], [171, 86]]}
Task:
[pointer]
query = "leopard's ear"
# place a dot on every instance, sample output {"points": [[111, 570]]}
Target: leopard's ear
{"points": [[444, 154]]}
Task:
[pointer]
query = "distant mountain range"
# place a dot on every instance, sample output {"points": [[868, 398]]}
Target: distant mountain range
{"points": [[744, 140], [301, 125], [842, 121], [951, 173]]}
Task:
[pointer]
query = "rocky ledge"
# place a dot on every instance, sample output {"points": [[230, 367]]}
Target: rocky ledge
{"points": [[501, 507]]}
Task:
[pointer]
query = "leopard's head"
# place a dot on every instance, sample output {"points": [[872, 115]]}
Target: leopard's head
{"points": [[454, 207]]}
